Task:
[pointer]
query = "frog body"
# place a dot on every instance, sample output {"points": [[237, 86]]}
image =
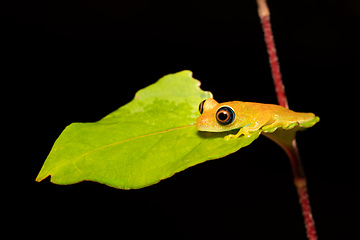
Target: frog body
{"points": [[246, 116]]}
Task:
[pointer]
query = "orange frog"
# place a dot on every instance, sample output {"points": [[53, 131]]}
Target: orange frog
{"points": [[246, 116]]}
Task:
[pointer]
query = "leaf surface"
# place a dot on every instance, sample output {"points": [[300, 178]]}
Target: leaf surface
{"points": [[147, 140]]}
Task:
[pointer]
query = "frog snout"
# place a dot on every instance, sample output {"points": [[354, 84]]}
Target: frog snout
{"points": [[202, 123]]}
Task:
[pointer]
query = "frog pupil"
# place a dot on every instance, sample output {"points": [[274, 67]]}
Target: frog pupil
{"points": [[201, 107], [225, 115]]}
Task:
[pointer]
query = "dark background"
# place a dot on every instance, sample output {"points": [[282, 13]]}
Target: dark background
{"points": [[76, 61]]}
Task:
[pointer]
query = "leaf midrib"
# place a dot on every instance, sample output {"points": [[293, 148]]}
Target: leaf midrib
{"points": [[109, 145]]}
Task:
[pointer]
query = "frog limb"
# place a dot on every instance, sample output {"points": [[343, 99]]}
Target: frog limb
{"points": [[283, 124], [241, 132]]}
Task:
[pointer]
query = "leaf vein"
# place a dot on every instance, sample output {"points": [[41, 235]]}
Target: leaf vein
{"points": [[125, 140]]}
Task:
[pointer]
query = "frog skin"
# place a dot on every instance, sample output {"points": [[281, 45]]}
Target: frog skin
{"points": [[246, 116]]}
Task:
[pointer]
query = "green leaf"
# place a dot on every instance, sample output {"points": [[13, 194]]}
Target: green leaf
{"points": [[147, 140], [284, 136]]}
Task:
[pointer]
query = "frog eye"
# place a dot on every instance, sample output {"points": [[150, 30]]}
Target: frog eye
{"points": [[201, 107], [225, 115]]}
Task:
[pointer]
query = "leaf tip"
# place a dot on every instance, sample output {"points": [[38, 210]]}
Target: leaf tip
{"points": [[310, 123], [41, 177]]}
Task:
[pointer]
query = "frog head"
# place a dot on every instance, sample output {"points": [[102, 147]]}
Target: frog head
{"points": [[217, 117]]}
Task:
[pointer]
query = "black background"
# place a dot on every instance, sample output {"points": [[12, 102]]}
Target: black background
{"points": [[76, 61]]}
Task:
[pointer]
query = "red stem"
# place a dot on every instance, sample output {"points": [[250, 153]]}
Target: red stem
{"points": [[274, 63], [291, 150], [300, 183]]}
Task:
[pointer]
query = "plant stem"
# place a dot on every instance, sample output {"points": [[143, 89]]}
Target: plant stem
{"points": [[264, 15], [291, 149]]}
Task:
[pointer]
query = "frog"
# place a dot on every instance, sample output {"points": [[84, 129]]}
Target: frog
{"points": [[248, 117]]}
